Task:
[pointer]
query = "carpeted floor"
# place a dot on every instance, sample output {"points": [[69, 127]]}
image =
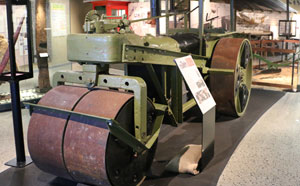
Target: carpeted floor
{"points": [[229, 132]]}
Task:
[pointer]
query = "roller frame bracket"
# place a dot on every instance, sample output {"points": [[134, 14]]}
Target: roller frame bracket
{"points": [[159, 91], [221, 71], [139, 88], [62, 77], [150, 55], [188, 105], [160, 110]]}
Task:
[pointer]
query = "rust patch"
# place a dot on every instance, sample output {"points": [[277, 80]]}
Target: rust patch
{"points": [[45, 131], [84, 144]]}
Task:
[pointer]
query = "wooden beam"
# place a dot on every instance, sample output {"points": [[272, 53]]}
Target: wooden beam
{"points": [[41, 46], [278, 50], [264, 65], [292, 41], [272, 85]]}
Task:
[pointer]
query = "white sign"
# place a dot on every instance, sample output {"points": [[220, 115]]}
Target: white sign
{"points": [[44, 55], [196, 83], [58, 19]]}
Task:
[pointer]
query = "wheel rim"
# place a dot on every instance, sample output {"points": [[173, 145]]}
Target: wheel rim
{"points": [[244, 76]]}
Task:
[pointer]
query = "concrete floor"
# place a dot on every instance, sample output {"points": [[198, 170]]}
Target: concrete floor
{"points": [[7, 144], [269, 154]]}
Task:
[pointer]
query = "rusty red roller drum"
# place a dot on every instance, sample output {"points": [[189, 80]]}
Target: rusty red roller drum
{"points": [[90, 154], [232, 91], [46, 130]]}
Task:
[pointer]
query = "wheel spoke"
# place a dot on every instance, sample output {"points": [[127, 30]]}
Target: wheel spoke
{"points": [[245, 56], [238, 102], [243, 96], [242, 88]]}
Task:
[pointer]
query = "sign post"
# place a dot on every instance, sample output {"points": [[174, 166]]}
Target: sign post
{"points": [[206, 103]]}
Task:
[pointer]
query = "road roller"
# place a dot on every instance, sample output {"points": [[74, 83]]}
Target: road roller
{"points": [[99, 128]]}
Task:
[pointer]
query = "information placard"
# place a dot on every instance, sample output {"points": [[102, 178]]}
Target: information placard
{"points": [[58, 19], [196, 83]]}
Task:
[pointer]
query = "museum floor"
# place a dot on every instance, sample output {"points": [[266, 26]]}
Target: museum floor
{"points": [[266, 154], [261, 148]]}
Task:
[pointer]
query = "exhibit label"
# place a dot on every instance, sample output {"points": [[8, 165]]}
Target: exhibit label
{"points": [[58, 19], [196, 83]]}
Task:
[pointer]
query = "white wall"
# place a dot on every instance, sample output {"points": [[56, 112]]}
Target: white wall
{"points": [[140, 11], [212, 10], [260, 21]]}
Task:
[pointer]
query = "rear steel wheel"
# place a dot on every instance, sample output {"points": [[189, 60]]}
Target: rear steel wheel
{"points": [[232, 91]]}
